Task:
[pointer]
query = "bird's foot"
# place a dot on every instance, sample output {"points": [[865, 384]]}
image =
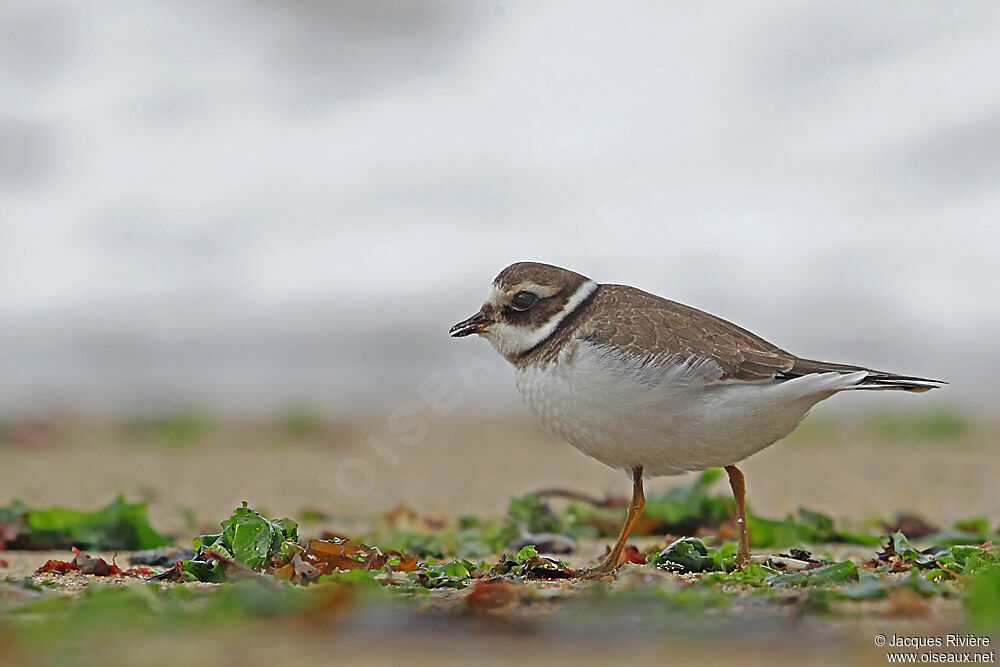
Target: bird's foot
{"points": [[607, 567]]}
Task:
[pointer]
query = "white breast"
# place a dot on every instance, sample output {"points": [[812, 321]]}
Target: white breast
{"points": [[669, 415]]}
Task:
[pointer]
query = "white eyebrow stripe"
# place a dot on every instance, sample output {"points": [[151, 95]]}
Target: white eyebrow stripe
{"points": [[542, 291]]}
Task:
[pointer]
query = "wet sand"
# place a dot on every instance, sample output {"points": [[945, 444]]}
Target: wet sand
{"points": [[463, 466]]}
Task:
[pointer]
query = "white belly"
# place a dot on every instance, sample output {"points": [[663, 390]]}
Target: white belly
{"points": [[668, 417]]}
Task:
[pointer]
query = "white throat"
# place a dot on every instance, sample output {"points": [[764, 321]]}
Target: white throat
{"points": [[511, 340]]}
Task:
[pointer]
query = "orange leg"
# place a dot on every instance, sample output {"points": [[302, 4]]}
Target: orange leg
{"points": [[610, 563], [739, 493]]}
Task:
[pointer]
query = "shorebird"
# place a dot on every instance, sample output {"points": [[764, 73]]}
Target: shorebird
{"points": [[651, 386]]}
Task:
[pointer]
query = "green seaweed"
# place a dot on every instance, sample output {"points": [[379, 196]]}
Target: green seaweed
{"points": [[118, 525], [824, 576], [246, 538]]}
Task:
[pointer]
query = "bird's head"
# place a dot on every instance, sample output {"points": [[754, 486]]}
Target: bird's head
{"points": [[526, 303]]}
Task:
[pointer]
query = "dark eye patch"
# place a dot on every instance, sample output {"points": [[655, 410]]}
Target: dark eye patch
{"points": [[524, 300]]}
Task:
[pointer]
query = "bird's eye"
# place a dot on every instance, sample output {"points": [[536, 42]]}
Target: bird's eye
{"points": [[523, 300]]}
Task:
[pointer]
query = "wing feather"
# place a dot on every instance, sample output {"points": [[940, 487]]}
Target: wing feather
{"points": [[645, 331], [643, 325]]}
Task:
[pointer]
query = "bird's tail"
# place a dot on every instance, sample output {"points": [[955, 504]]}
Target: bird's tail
{"points": [[872, 380]]}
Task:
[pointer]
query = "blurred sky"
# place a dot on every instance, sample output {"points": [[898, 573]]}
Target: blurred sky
{"points": [[249, 205]]}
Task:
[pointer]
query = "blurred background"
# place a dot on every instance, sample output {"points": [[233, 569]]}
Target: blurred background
{"points": [[276, 210]]}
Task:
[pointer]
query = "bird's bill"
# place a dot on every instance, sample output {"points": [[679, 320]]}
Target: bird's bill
{"points": [[473, 325]]}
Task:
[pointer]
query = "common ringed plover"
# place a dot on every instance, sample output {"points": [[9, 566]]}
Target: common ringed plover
{"points": [[651, 386]]}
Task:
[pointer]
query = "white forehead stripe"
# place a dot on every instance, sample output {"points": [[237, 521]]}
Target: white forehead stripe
{"points": [[495, 297], [510, 339]]}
